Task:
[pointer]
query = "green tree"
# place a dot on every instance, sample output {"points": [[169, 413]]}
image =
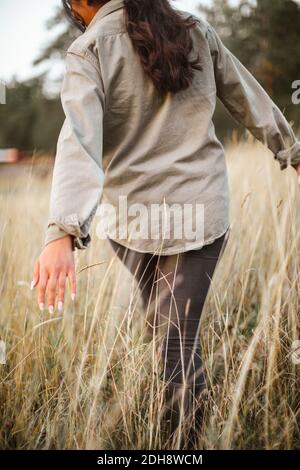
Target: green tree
{"points": [[265, 36], [56, 49], [29, 120]]}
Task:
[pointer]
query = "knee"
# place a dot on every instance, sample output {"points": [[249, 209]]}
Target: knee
{"points": [[183, 365]]}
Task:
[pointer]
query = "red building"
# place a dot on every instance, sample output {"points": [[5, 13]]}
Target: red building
{"points": [[10, 155]]}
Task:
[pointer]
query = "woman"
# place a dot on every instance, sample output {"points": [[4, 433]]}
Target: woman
{"points": [[139, 93]]}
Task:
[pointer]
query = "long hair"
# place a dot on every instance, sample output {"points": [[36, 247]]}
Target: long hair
{"points": [[161, 37]]}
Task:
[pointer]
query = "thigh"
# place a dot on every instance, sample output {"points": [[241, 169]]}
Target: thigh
{"points": [[141, 265], [181, 288], [183, 281], [173, 287]]}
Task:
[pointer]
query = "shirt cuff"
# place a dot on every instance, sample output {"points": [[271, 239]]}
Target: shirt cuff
{"points": [[290, 156], [54, 232]]}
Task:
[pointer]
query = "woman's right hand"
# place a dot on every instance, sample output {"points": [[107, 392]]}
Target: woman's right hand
{"points": [[53, 266]]}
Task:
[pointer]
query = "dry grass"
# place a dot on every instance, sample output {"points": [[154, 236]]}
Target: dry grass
{"points": [[88, 379]]}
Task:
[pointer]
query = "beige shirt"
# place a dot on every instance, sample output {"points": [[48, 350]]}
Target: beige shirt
{"points": [[157, 150]]}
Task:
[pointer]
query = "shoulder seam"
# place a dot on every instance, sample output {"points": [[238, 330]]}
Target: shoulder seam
{"points": [[116, 33], [84, 50], [85, 54]]}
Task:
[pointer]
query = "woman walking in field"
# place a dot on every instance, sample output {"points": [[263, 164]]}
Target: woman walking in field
{"points": [[139, 93]]}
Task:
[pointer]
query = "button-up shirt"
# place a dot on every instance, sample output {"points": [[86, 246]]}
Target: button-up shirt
{"points": [[120, 139]]}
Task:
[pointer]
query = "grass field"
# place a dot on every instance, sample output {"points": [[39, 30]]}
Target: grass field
{"points": [[87, 379]]}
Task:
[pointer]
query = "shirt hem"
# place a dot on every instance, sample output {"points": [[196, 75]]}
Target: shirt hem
{"points": [[175, 250]]}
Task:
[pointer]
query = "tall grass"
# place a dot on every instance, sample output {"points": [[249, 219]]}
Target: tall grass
{"points": [[89, 378]]}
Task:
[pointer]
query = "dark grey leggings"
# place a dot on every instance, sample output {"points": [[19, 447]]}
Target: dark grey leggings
{"points": [[174, 289]]}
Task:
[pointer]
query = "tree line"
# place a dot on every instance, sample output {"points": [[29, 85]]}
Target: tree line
{"points": [[263, 34]]}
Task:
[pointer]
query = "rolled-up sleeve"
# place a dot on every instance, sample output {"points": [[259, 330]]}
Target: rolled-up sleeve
{"points": [[250, 104], [78, 176]]}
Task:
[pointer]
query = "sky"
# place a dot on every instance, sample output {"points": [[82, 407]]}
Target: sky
{"points": [[23, 34]]}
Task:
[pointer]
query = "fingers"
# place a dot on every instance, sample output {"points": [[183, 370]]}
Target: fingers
{"points": [[53, 282], [50, 272], [61, 290], [72, 282], [52, 291], [43, 279], [36, 274]]}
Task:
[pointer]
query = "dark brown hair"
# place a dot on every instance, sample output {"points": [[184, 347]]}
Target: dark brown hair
{"points": [[161, 37]]}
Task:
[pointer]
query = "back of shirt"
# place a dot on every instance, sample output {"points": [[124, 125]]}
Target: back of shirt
{"points": [[154, 162]]}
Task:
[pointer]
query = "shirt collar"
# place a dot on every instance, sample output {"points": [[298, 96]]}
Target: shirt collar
{"points": [[106, 9]]}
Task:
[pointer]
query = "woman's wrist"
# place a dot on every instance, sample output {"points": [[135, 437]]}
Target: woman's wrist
{"points": [[54, 232]]}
